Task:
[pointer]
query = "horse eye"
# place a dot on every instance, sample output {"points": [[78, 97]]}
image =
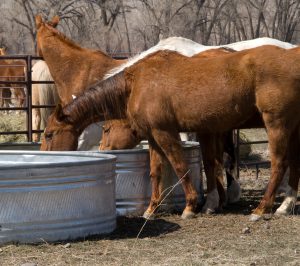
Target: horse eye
{"points": [[106, 129], [48, 135]]}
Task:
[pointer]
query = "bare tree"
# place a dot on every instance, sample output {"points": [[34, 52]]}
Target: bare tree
{"points": [[135, 25], [109, 10], [286, 19]]}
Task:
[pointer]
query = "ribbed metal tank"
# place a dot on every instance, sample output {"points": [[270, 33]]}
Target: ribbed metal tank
{"points": [[51, 196], [133, 187]]}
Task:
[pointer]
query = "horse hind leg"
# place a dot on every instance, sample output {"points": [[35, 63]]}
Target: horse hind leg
{"points": [[278, 134], [288, 205], [171, 146]]}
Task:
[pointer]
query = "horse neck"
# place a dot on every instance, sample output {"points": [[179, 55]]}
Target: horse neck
{"points": [[73, 68], [106, 100]]}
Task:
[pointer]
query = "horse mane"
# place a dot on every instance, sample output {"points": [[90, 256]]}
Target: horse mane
{"points": [[180, 45], [228, 49], [70, 42], [190, 48], [63, 37], [110, 95]]}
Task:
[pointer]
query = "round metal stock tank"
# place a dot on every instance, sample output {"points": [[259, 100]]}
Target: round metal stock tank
{"points": [[133, 187], [51, 196]]}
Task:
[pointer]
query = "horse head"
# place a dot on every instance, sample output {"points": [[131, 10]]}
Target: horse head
{"points": [[117, 135], [41, 28], [60, 134]]}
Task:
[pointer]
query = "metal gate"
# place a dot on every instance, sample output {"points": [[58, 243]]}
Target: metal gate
{"points": [[27, 83]]}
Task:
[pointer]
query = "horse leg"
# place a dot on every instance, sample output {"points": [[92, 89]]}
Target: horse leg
{"points": [[20, 97], [233, 186], [289, 202], [209, 154], [36, 112], [36, 123], [278, 135], [171, 146], [219, 142], [156, 165]]}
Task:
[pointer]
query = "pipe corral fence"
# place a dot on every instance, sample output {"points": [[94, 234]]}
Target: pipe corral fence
{"points": [[28, 82]]}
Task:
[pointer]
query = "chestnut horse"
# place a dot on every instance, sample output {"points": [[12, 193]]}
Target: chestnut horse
{"points": [[11, 70], [210, 96], [73, 68], [42, 94], [118, 134]]}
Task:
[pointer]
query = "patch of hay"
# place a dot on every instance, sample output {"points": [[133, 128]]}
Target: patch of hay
{"points": [[245, 150], [12, 122]]}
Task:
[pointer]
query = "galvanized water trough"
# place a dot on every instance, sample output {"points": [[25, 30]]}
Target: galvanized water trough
{"points": [[51, 196], [133, 187]]}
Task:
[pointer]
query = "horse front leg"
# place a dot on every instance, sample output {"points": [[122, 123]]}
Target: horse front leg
{"points": [[171, 146], [156, 164], [278, 135], [233, 186]]}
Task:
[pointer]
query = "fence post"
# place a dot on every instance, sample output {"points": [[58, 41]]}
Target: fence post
{"points": [[29, 99]]}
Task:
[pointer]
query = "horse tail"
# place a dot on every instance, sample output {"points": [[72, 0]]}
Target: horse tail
{"points": [[45, 94]]}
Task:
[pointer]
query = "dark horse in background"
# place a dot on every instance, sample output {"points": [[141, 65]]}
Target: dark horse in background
{"points": [[210, 96]]}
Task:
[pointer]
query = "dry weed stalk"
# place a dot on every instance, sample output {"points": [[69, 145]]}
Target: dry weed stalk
{"points": [[170, 188]]}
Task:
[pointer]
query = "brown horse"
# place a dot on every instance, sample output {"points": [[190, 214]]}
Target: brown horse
{"points": [[118, 134], [12, 70], [72, 67], [210, 96]]}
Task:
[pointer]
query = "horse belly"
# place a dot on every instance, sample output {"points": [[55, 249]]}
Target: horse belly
{"points": [[215, 113]]}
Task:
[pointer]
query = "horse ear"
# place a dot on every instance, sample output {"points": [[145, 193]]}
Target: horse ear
{"points": [[59, 113], [38, 21], [55, 21]]}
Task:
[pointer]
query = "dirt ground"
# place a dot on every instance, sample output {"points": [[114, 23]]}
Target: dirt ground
{"points": [[227, 238]]}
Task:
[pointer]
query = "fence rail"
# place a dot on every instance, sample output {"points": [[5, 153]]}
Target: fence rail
{"points": [[241, 164]]}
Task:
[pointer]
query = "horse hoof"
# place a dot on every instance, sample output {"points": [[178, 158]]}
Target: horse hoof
{"points": [[287, 206], [255, 217], [234, 192], [188, 215], [281, 212], [209, 211], [148, 215]]}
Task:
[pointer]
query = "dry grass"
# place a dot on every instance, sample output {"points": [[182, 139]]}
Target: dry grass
{"points": [[12, 122]]}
